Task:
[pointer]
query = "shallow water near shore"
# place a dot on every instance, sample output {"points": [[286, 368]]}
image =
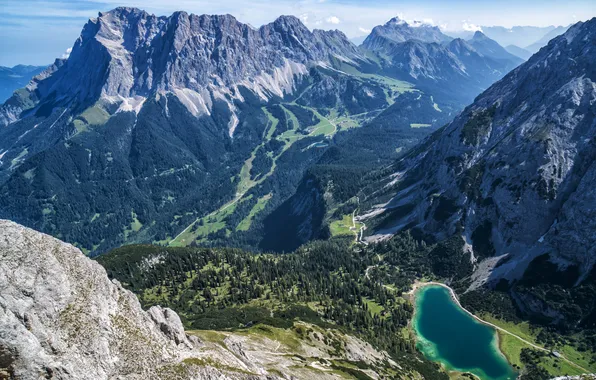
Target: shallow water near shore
{"points": [[449, 335]]}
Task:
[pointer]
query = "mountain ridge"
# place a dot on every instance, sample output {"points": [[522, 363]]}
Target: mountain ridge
{"points": [[462, 166]]}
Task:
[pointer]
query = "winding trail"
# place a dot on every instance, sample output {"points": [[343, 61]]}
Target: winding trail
{"points": [[456, 300], [359, 234]]}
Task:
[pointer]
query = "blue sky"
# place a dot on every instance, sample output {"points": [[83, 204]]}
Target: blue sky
{"points": [[37, 31]]}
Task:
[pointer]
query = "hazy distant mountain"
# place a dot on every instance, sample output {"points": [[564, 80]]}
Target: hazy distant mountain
{"points": [[490, 48], [517, 35], [520, 52], [450, 67], [13, 78], [397, 30], [533, 48]]}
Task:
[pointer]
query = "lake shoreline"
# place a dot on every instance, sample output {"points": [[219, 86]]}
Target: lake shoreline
{"points": [[413, 295]]}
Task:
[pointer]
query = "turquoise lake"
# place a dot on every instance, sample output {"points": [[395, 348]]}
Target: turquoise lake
{"points": [[449, 335]]}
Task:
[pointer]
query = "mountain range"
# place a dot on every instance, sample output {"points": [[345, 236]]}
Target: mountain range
{"points": [[530, 38], [193, 129], [424, 54]]}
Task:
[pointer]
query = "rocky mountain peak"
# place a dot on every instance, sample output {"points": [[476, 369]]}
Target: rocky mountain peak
{"points": [[397, 30], [478, 35], [459, 46], [289, 22], [396, 21], [491, 49]]}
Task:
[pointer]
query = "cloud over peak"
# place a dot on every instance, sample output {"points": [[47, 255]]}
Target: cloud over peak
{"points": [[333, 20], [469, 27]]}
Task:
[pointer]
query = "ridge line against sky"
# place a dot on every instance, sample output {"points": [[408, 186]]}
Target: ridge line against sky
{"points": [[38, 31]]}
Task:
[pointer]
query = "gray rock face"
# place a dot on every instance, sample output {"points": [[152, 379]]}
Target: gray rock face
{"points": [[127, 53], [62, 317], [514, 173]]}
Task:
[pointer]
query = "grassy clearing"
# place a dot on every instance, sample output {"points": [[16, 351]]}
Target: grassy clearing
{"points": [[511, 348], [577, 357], [244, 225], [373, 307], [135, 225], [94, 115], [29, 174], [522, 330], [246, 182], [271, 130], [558, 367], [395, 84], [206, 225], [208, 335], [342, 227], [15, 161], [323, 128]]}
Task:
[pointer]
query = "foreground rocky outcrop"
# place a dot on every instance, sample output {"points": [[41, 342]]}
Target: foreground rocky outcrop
{"points": [[62, 318]]}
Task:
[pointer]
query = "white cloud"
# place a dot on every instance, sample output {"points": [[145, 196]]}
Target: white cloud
{"points": [[304, 18], [333, 20], [363, 30], [424, 22], [469, 27], [67, 53]]}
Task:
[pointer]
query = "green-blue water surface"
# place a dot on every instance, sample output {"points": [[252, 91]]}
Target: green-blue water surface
{"points": [[449, 335]]}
